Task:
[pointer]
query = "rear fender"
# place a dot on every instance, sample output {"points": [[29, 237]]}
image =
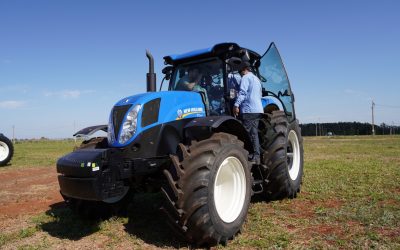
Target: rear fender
{"points": [[204, 127]]}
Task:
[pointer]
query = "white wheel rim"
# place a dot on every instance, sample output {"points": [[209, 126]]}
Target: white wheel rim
{"points": [[117, 198], [230, 189], [4, 151], [294, 156]]}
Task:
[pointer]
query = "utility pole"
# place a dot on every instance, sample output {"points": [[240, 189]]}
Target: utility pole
{"points": [[13, 139], [392, 129], [320, 127], [316, 129], [373, 125]]}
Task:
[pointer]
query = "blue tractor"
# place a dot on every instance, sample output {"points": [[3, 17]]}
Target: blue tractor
{"points": [[186, 142]]}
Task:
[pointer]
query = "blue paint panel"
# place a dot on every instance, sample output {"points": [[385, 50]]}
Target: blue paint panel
{"points": [[268, 100], [191, 54], [264, 102], [174, 105]]}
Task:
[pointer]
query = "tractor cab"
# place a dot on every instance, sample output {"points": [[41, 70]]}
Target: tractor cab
{"points": [[213, 73]]}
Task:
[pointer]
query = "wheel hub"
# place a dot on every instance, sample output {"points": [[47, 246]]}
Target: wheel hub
{"points": [[230, 189], [117, 198], [4, 151], [293, 155]]}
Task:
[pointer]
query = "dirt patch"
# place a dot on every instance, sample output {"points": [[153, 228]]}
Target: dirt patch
{"points": [[319, 230], [389, 232], [15, 224], [389, 202], [303, 208], [333, 203], [307, 208], [27, 191]]}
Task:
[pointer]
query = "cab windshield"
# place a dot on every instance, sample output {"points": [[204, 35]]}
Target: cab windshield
{"points": [[275, 79], [205, 77]]}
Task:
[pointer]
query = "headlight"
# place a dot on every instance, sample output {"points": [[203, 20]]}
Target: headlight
{"points": [[110, 131], [129, 125]]}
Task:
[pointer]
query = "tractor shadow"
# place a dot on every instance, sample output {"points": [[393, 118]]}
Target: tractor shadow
{"points": [[7, 165], [60, 222], [147, 222], [143, 220]]}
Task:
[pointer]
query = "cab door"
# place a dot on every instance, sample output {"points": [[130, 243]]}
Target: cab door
{"points": [[275, 81]]}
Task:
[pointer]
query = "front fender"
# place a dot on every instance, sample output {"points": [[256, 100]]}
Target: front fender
{"points": [[90, 130], [204, 127]]}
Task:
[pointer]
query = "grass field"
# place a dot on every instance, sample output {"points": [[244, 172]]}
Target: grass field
{"points": [[350, 198], [37, 153]]}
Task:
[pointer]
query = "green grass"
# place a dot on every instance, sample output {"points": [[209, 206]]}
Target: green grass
{"points": [[18, 235], [350, 198], [40, 153]]}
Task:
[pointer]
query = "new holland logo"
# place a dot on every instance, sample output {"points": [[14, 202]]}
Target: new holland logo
{"points": [[179, 113], [188, 111]]}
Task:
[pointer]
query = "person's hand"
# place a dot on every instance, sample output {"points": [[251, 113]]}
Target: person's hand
{"points": [[235, 111]]}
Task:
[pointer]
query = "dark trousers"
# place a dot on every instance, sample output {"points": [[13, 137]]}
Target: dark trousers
{"points": [[250, 123]]}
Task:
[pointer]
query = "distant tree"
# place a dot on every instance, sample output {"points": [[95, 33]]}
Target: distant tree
{"points": [[347, 128]]}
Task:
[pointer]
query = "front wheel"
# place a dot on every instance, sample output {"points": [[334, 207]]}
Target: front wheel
{"points": [[209, 189], [6, 150]]}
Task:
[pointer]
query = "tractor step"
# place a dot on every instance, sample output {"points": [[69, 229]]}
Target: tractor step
{"points": [[257, 186]]}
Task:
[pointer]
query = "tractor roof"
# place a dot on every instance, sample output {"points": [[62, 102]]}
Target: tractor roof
{"points": [[214, 51]]}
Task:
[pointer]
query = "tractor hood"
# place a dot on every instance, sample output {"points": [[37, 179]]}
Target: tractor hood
{"points": [[134, 114]]}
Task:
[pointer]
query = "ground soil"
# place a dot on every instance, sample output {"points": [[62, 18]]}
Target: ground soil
{"points": [[26, 191]]}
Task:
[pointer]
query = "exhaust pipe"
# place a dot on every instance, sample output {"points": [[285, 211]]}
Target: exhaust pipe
{"points": [[151, 76]]}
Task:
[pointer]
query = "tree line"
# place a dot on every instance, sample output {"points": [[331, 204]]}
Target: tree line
{"points": [[347, 128]]}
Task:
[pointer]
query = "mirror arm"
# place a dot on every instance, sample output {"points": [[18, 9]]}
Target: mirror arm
{"points": [[162, 81]]}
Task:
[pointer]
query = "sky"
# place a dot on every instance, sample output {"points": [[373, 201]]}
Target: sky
{"points": [[64, 64]]}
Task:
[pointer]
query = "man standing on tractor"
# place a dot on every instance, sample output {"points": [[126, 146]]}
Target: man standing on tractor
{"points": [[249, 101]]}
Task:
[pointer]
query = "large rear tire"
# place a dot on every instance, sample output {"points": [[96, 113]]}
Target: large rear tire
{"points": [[283, 156], [209, 190], [6, 150]]}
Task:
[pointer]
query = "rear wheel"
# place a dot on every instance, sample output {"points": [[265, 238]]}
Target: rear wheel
{"points": [[283, 156], [6, 150], [209, 189]]}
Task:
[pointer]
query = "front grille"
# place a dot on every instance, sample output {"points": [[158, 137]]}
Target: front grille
{"points": [[150, 112], [118, 115]]}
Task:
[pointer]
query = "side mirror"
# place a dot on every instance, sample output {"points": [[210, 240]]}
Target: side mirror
{"points": [[234, 61], [167, 71], [246, 55]]}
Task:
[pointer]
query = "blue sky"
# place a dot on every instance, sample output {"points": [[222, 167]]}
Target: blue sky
{"points": [[64, 64]]}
